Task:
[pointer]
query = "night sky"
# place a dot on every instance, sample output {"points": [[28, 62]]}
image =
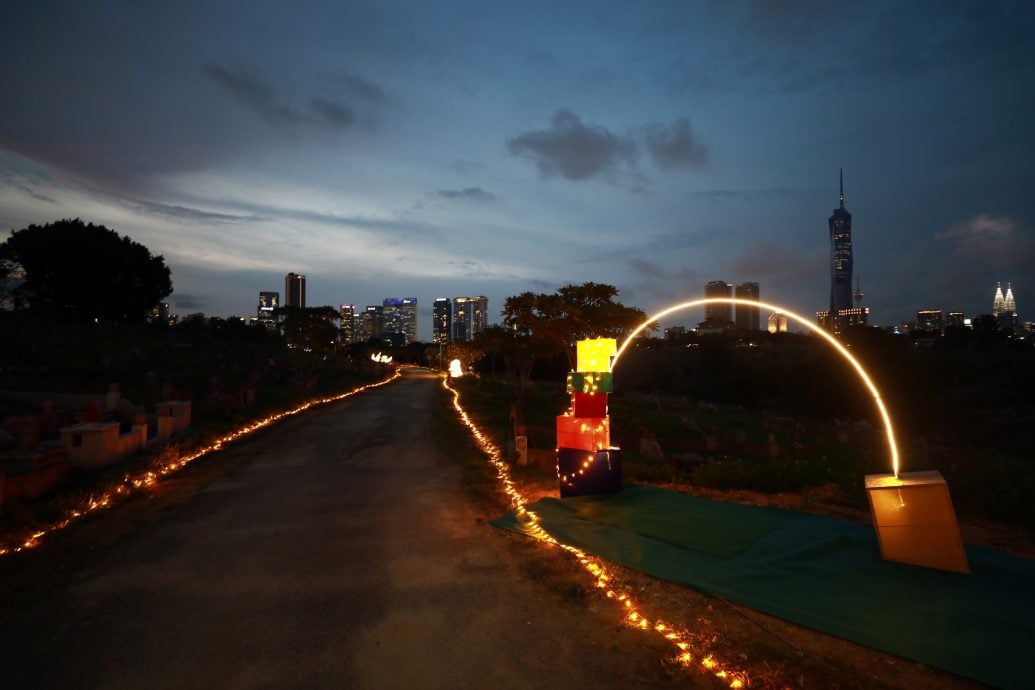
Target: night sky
{"points": [[444, 149]]}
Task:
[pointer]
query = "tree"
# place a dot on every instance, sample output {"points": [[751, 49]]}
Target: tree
{"points": [[573, 313], [84, 272], [310, 328]]}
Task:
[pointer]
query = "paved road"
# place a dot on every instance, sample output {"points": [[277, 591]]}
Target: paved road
{"points": [[341, 552]]}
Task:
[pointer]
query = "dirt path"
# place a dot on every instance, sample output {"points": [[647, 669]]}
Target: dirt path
{"points": [[339, 551]]}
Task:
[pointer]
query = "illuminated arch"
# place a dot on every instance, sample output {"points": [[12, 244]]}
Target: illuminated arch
{"points": [[889, 430]]}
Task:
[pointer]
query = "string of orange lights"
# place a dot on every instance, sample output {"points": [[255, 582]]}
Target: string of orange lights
{"points": [[681, 639], [133, 483]]}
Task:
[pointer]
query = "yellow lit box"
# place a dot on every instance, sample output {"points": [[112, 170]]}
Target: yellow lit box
{"points": [[915, 521], [583, 433], [595, 355]]}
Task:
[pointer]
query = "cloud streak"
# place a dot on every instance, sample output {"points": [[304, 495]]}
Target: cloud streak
{"points": [[466, 194]]}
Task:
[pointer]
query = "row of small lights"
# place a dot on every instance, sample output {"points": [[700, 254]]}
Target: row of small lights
{"points": [[131, 484], [680, 639]]}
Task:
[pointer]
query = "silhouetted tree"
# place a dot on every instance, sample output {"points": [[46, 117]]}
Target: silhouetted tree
{"points": [[311, 328], [84, 272], [573, 313]]}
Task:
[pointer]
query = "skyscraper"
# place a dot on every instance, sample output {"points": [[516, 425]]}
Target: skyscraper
{"points": [[1004, 307], [442, 317], [400, 320], [840, 263], [268, 303], [294, 290], [470, 317], [747, 317], [349, 325], [719, 311], [371, 323]]}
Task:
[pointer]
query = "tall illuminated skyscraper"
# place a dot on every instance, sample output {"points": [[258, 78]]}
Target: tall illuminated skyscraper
{"points": [[294, 290], [349, 324], [470, 317], [400, 320], [442, 317], [1004, 307], [840, 263]]}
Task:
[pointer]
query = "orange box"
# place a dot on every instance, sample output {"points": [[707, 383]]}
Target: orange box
{"points": [[583, 433], [915, 522]]}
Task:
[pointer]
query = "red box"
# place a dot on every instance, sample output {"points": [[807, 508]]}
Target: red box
{"points": [[589, 404]]}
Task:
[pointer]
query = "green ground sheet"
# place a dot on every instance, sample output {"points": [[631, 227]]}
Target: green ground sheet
{"points": [[818, 571]]}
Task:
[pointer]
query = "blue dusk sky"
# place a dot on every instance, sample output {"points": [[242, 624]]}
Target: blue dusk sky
{"points": [[427, 149]]}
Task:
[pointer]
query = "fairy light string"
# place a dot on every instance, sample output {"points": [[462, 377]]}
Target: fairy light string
{"points": [[685, 651], [133, 483]]}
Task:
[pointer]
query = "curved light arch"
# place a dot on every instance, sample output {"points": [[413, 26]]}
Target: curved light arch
{"points": [[889, 430]]}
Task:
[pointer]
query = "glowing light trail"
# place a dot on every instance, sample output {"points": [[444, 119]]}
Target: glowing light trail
{"points": [[147, 478], [889, 430], [680, 639]]}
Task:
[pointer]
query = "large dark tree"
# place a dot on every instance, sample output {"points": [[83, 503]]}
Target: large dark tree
{"points": [[85, 272], [573, 313]]}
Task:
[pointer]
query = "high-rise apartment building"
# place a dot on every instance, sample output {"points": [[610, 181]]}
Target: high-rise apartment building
{"points": [[268, 303], [470, 317], [442, 320], [955, 318], [718, 312], [349, 324], [371, 323], [841, 264], [747, 316], [294, 290], [400, 320]]}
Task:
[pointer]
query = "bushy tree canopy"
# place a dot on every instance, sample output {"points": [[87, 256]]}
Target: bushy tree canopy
{"points": [[573, 313], [84, 272]]}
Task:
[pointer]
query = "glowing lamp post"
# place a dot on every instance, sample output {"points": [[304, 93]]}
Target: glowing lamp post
{"points": [[586, 462], [912, 511]]}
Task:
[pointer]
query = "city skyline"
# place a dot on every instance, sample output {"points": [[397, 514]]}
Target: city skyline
{"points": [[400, 149]]}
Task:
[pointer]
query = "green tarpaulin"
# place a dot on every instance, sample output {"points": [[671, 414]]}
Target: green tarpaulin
{"points": [[821, 572]]}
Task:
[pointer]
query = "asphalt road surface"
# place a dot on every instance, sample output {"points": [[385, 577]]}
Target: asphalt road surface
{"points": [[341, 551]]}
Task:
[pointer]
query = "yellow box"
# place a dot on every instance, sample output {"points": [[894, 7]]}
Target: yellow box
{"points": [[915, 522], [595, 354]]}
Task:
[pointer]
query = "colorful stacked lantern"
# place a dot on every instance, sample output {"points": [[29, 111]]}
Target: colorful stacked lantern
{"points": [[586, 462]]}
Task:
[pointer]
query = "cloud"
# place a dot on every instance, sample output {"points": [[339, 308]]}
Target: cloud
{"points": [[657, 284], [676, 146], [258, 93], [184, 301], [362, 88], [571, 149], [254, 92], [986, 240], [333, 114], [466, 194], [779, 266], [25, 183], [185, 213]]}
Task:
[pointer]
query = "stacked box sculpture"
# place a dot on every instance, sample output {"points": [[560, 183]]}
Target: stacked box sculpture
{"points": [[586, 462]]}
